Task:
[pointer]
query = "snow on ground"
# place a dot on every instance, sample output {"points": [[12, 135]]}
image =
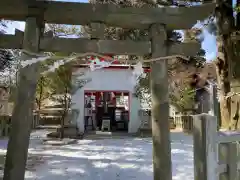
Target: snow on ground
{"points": [[107, 159]]}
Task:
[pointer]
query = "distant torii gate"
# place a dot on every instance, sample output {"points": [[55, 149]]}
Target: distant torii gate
{"points": [[36, 12]]}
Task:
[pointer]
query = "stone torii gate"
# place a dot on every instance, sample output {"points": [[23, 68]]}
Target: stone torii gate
{"points": [[157, 20]]}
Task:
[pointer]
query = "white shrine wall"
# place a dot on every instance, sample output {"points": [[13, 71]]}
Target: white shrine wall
{"points": [[105, 80]]}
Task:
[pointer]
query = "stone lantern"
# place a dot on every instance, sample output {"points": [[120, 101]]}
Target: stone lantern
{"points": [[4, 105]]}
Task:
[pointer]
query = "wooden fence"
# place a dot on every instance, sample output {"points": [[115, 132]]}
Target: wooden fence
{"points": [[52, 116], [216, 154], [183, 122], [5, 124]]}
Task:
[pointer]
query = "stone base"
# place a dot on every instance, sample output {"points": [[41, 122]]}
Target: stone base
{"points": [[96, 135], [59, 142], [145, 132], [70, 131]]}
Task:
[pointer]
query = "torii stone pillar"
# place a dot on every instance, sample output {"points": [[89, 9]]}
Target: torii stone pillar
{"points": [[162, 166], [18, 143]]}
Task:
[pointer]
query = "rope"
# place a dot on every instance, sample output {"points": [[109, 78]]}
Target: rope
{"points": [[63, 60], [75, 57]]}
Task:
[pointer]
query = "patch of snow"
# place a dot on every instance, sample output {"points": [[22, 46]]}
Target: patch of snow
{"points": [[107, 159]]}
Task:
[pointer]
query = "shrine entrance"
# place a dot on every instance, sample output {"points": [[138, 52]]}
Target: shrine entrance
{"points": [[106, 105]]}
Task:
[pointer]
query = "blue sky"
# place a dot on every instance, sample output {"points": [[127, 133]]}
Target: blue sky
{"points": [[209, 43]]}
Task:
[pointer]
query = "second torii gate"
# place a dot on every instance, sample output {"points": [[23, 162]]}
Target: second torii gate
{"points": [[156, 20]]}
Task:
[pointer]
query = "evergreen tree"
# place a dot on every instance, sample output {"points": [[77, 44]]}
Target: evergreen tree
{"points": [[6, 57], [223, 25]]}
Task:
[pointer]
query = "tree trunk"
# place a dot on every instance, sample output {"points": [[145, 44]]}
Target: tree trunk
{"points": [[62, 126], [39, 101], [65, 111], [63, 119], [41, 93], [225, 25], [235, 78]]}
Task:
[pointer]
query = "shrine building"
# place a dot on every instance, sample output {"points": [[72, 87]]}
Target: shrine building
{"points": [[107, 97]]}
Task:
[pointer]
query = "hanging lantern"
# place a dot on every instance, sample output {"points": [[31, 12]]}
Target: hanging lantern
{"points": [[92, 97], [101, 96], [86, 99], [112, 95], [122, 98]]}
